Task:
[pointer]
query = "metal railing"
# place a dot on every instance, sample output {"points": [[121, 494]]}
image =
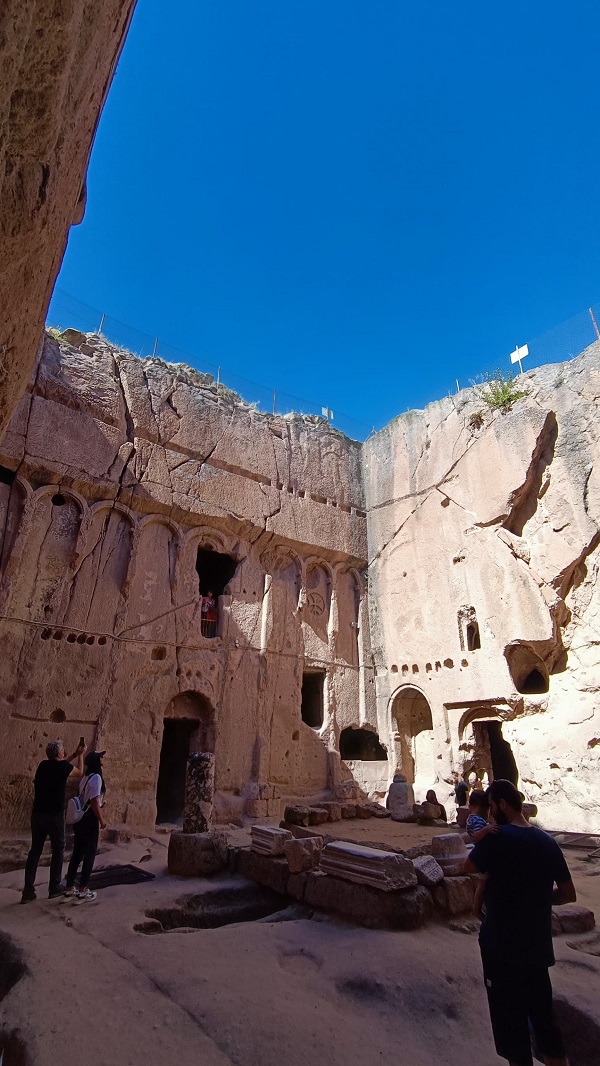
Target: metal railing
{"points": [[558, 344], [66, 311]]}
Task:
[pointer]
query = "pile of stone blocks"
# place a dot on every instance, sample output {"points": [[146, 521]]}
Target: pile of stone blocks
{"points": [[331, 811], [375, 886]]}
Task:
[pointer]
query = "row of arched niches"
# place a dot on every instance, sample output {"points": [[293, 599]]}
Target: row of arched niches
{"points": [[101, 568]]}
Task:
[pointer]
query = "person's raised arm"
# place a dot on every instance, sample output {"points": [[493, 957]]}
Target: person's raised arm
{"points": [[76, 760], [565, 892]]}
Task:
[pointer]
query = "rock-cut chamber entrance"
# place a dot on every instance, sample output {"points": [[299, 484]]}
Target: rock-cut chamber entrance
{"points": [[493, 753], [412, 725], [188, 727]]}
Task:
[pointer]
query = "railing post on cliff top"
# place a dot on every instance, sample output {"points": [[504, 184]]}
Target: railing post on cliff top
{"points": [[594, 323], [274, 401]]}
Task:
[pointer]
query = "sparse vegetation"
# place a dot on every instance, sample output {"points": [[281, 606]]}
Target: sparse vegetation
{"points": [[54, 331], [500, 390], [475, 420]]}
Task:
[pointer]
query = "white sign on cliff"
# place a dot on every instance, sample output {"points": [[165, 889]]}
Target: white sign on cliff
{"points": [[518, 354]]}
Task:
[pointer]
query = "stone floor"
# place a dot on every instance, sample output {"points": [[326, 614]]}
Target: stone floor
{"points": [[304, 991]]}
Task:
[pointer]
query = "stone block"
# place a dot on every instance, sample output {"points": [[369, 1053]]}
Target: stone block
{"points": [[348, 810], [530, 810], [428, 871], [400, 799], [456, 895], [196, 854], [385, 870], [377, 810], [363, 811], [303, 854], [400, 909], [269, 841], [333, 809], [318, 816], [264, 870], [573, 919], [450, 851], [257, 808], [199, 791], [297, 815]]}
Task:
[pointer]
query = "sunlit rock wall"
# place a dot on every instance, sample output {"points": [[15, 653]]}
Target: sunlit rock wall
{"points": [[57, 64], [123, 469], [483, 528]]}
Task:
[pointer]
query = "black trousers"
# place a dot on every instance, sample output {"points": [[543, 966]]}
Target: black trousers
{"points": [[84, 849], [520, 1002], [42, 827]]}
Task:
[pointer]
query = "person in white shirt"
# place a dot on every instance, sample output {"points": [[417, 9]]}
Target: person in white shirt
{"points": [[91, 792]]}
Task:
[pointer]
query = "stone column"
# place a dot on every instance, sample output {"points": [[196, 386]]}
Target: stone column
{"points": [[199, 791]]}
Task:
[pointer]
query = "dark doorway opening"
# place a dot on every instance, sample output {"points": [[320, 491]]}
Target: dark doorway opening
{"points": [[361, 744], [473, 638], [313, 683], [534, 684], [170, 790], [215, 571], [494, 753]]}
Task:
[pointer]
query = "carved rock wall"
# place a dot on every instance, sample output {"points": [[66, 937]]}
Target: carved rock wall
{"points": [[57, 64], [483, 529], [124, 469]]}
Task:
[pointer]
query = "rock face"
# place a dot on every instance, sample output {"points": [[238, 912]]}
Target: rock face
{"points": [[484, 552], [139, 490], [57, 64], [183, 574]]}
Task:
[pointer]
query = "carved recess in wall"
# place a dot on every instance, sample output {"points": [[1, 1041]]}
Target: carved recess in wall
{"points": [[317, 605], [348, 591]]}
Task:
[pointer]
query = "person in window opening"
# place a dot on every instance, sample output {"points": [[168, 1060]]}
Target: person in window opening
{"points": [[521, 865], [87, 830], [48, 814], [209, 615]]}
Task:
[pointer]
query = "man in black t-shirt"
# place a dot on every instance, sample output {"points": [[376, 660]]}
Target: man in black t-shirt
{"points": [[521, 864], [48, 814]]}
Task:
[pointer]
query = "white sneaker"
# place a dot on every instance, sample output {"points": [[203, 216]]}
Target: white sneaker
{"points": [[69, 893], [86, 897]]}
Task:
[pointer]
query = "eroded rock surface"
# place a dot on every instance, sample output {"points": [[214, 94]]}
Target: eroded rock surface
{"points": [[57, 64], [483, 589]]}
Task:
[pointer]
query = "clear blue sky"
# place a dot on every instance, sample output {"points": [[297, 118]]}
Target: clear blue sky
{"points": [[355, 202]]}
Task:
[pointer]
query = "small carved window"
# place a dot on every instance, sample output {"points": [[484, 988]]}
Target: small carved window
{"points": [[473, 638]]}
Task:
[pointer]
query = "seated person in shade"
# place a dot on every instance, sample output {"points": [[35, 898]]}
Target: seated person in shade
{"points": [[477, 822], [432, 798]]}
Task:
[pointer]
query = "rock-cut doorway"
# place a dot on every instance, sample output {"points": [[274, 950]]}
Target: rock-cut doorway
{"points": [[493, 753], [188, 727]]}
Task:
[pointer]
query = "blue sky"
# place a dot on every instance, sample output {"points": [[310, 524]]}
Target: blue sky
{"points": [[356, 203]]}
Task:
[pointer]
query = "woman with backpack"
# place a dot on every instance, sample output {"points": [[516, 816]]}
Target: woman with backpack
{"points": [[91, 797]]}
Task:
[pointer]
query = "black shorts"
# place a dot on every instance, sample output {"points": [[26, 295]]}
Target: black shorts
{"points": [[520, 1001]]}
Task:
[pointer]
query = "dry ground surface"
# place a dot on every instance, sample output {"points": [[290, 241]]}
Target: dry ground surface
{"points": [[298, 988]]}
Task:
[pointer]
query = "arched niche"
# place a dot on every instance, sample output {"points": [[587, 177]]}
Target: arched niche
{"points": [[98, 591], [153, 603], [528, 672], [49, 552], [412, 724], [348, 591], [12, 502], [317, 605]]}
